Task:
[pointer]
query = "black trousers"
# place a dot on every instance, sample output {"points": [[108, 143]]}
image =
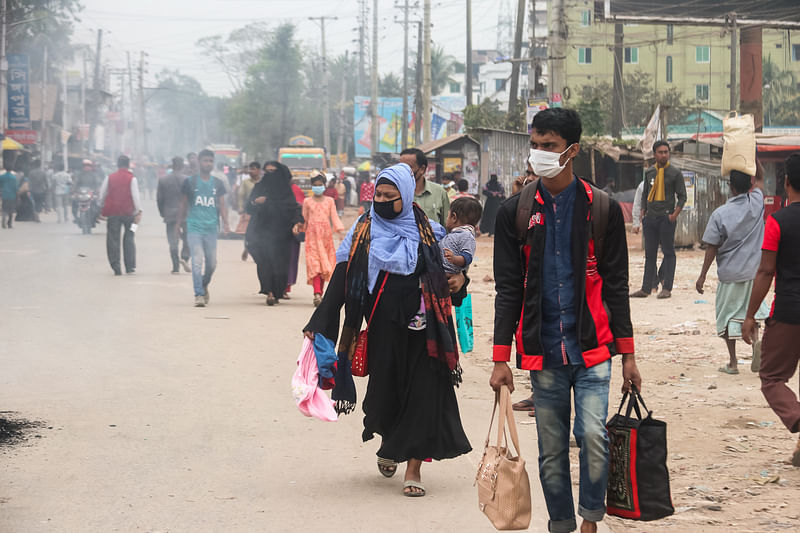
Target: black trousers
{"points": [[658, 231], [115, 224], [173, 237]]}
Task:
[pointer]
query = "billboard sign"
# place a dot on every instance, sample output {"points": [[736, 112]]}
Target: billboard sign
{"points": [[785, 10], [19, 106]]}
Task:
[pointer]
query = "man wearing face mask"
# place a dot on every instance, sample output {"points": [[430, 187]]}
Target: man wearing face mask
{"points": [[569, 312], [662, 200], [431, 197]]}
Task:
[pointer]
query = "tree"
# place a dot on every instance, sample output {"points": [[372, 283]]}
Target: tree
{"points": [[487, 114], [237, 52], [390, 86], [443, 66], [781, 97]]}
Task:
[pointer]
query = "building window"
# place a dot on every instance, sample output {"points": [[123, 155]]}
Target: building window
{"points": [[702, 54], [669, 69], [796, 52], [632, 54], [701, 93], [499, 85], [586, 18], [584, 56], [670, 33], [455, 87]]}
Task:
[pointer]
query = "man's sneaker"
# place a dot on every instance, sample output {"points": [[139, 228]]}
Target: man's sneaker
{"points": [[664, 294], [639, 294], [185, 265], [206, 296], [199, 301]]}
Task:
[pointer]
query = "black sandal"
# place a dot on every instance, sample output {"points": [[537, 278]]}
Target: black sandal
{"points": [[387, 467]]}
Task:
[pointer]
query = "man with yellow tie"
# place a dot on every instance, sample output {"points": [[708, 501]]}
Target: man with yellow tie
{"points": [[663, 198]]}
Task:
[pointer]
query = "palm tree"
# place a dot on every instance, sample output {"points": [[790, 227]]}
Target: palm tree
{"points": [[780, 91], [442, 67]]}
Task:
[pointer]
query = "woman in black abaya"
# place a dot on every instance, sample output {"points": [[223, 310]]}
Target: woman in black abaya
{"points": [[276, 218], [494, 193]]}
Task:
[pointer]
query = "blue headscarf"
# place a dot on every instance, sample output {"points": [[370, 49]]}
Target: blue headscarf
{"points": [[393, 243]]}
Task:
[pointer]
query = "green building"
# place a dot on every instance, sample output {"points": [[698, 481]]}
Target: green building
{"points": [[693, 59]]}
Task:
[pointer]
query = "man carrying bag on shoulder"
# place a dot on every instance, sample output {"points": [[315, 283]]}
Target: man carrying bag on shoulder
{"points": [[553, 288]]}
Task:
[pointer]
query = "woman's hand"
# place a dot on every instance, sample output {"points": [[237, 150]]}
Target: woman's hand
{"points": [[297, 228], [308, 335], [456, 281], [260, 200]]}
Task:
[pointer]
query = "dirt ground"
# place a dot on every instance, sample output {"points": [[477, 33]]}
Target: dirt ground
{"points": [[728, 454]]}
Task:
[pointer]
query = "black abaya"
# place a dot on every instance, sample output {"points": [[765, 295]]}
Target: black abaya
{"points": [[410, 400]]}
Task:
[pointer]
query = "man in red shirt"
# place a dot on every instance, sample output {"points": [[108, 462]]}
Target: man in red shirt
{"points": [[780, 258], [119, 195]]}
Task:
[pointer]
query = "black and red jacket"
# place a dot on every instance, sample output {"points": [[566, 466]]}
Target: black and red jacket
{"points": [[601, 293]]}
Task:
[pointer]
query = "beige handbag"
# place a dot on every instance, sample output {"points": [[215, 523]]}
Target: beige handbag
{"points": [[504, 490]]}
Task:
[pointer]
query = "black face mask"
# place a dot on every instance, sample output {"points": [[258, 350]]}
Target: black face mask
{"points": [[386, 209]]}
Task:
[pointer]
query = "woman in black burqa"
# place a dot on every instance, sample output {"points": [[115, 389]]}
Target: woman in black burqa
{"points": [[391, 255], [494, 193], [276, 219]]}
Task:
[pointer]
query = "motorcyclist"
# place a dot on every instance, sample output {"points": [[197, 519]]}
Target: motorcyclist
{"points": [[85, 178]]}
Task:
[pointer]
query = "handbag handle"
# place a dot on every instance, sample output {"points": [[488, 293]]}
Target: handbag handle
{"points": [[633, 398], [377, 298], [503, 397]]}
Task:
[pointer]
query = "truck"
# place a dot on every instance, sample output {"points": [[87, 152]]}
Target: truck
{"points": [[301, 156]]}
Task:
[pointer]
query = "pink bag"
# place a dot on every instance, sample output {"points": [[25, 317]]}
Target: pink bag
{"points": [[310, 399]]}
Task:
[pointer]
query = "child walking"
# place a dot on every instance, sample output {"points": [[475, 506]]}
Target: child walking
{"points": [[319, 212]]}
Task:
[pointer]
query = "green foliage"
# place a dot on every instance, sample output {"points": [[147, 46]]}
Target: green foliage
{"points": [[781, 97], [237, 52], [594, 116], [390, 86], [487, 114]]}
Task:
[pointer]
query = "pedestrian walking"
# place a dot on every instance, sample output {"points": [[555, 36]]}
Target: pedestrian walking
{"points": [[495, 194], [390, 270], [341, 194], [168, 198], [294, 244], [276, 219], [568, 310], [202, 205], [8, 192], [38, 186], [664, 195], [366, 192], [319, 213], [431, 197], [242, 196], [119, 196], [733, 237], [780, 259], [62, 182]]}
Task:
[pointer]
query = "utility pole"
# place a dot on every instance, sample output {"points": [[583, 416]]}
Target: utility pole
{"points": [[96, 91], [426, 73], [734, 44], [512, 99], [751, 74], [532, 68], [141, 105], [616, 106], [418, 83], [374, 125], [85, 74], [342, 105], [64, 137], [362, 31], [557, 52], [43, 121], [3, 68], [468, 77], [134, 116], [404, 129], [326, 112]]}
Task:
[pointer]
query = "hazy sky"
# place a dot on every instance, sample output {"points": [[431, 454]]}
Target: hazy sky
{"points": [[168, 29]]}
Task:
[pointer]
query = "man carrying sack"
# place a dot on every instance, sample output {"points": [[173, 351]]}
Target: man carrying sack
{"points": [[553, 299]]}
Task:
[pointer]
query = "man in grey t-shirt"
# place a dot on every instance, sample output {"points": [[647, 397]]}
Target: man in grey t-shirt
{"points": [[733, 236]]}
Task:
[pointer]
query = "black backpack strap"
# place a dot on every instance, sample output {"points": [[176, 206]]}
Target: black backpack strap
{"points": [[600, 208], [524, 209]]}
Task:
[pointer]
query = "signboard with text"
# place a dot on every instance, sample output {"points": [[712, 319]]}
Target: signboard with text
{"points": [[19, 107], [23, 136]]}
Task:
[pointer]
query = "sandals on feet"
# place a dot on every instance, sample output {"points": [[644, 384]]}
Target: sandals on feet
{"points": [[523, 405], [387, 467], [409, 486], [728, 370]]}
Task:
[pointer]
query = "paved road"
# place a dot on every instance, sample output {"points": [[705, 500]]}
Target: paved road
{"points": [[170, 418]]}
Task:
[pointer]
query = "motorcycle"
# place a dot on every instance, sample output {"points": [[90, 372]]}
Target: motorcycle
{"points": [[86, 212]]}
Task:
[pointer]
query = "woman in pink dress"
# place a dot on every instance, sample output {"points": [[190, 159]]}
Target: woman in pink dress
{"points": [[319, 213]]}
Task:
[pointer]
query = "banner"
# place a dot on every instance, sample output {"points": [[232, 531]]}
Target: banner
{"points": [[19, 108]]}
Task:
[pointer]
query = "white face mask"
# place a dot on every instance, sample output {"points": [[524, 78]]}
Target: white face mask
{"points": [[546, 164]]}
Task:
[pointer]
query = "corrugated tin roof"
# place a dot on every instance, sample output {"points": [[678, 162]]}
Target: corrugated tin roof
{"points": [[432, 146]]}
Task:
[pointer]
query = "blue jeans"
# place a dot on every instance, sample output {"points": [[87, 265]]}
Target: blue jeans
{"points": [[202, 246], [551, 393]]}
